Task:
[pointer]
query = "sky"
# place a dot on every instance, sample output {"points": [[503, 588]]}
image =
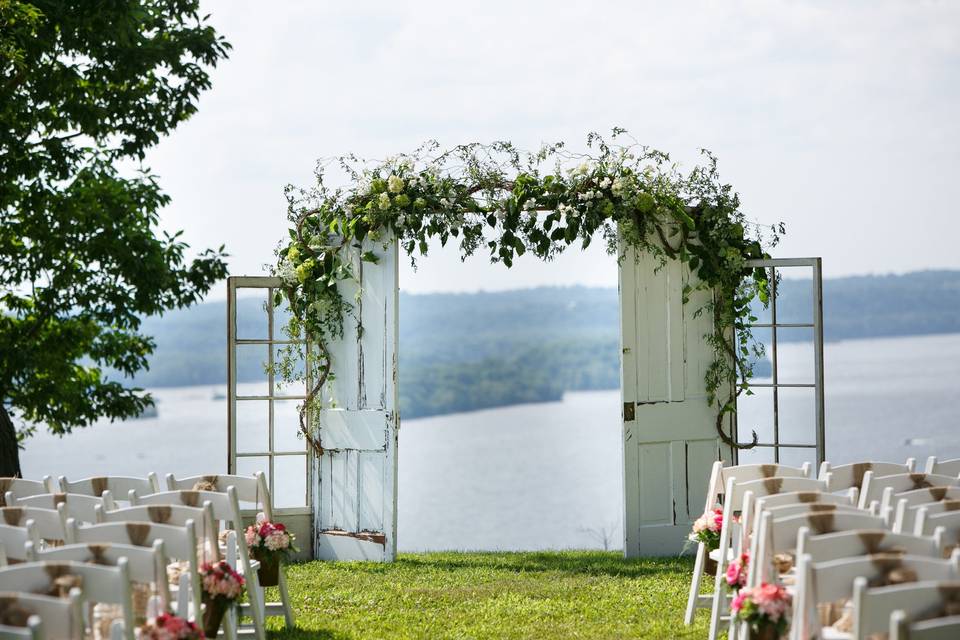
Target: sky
{"points": [[837, 118]]}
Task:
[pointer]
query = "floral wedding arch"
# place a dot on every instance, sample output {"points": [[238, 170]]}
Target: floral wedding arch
{"points": [[507, 202]]}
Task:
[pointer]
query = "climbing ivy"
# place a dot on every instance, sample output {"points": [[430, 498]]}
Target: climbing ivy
{"points": [[496, 199]]}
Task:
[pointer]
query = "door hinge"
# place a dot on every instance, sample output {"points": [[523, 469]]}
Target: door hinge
{"points": [[629, 411]]}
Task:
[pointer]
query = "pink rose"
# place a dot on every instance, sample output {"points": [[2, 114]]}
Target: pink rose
{"points": [[738, 601]]}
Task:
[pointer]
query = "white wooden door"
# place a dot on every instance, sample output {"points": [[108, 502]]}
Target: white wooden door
{"points": [[669, 433], [356, 492]]}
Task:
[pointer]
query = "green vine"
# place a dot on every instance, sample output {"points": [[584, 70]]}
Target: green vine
{"points": [[508, 203]]}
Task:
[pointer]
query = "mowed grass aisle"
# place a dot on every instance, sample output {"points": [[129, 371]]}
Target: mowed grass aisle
{"points": [[570, 594]]}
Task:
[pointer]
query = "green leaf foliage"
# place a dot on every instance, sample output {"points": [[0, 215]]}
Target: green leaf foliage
{"points": [[86, 89]]}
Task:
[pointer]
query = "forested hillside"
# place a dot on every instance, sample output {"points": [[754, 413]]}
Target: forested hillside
{"points": [[461, 352]]}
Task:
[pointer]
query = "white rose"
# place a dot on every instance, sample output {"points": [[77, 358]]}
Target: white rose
{"points": [[383, 201], [394, 184]]}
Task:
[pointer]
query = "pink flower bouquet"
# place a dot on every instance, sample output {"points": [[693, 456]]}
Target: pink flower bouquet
{"points": [[737, 572], [167, 626], [222, 587], [221, 581], [764, 608], [706, 529], [269, 543], [267, 538]]}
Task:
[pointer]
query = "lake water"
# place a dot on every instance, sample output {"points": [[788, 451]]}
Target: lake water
{"points": [[548, 475]]}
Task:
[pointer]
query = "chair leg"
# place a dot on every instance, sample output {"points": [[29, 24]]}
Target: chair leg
{"points": [[285, 600], [231, 622], [256, 595], [693, 598], [719, 593]]}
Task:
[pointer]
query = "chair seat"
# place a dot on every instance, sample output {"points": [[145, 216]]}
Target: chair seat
{"points": [[715, 555], [830, 633]]}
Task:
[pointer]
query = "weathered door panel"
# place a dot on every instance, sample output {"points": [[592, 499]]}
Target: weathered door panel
{"points": [[356, 476], [669, 432]]}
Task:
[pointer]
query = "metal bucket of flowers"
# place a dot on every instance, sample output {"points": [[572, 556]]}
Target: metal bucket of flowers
{"points": [[222, 588], [270, 544]]}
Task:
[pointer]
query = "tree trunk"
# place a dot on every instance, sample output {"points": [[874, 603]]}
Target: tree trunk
{"points": [[9, 451]]}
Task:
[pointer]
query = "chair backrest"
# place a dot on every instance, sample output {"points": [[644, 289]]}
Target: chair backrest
{"points": [[875, 487], [23, 487], [945, 628], [55, 618], [71, 505], [873, 606], [946, 467], [780, 535], [118, 486], [146, 565], [14, 539], [101, 584], [807, 497], [48, 521], [225, 506], [819, 582], [861, 542], [178, 515], [948, 522], [180, 543], [849, 475], [251, 489], [909, 503], [785, 510]]}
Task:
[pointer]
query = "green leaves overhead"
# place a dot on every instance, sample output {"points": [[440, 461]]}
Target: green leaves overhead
{"points": [[87, 88]]}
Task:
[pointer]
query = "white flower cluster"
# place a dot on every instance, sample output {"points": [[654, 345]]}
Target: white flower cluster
{"points": [[566, 210]]}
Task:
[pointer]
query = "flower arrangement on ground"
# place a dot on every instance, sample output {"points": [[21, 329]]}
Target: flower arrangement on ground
{"points": [[222, 587], [737, 572], [764, 608], [167, 626], [269, 543]]}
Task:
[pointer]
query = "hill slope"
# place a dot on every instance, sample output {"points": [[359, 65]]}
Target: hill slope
{"points": [[469, 351]]}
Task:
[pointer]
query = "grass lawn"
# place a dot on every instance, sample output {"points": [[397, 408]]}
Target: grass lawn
{"points": [[569, 594]]}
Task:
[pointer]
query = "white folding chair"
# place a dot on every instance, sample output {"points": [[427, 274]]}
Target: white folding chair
{"points": [[845, 476], [831, 581], [873, 607], [881, 489], [118, 486], [861, 542], [716, 486], [23, 487], [49, 524], [226, 509], [146, 565], [739, 496], [946, 523], [780, 535], [70, 505], [935, 499], [945, 467], [253, 490], [51, 618], [946, 628], [101, 584], [13, 539], [179, 543]]}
